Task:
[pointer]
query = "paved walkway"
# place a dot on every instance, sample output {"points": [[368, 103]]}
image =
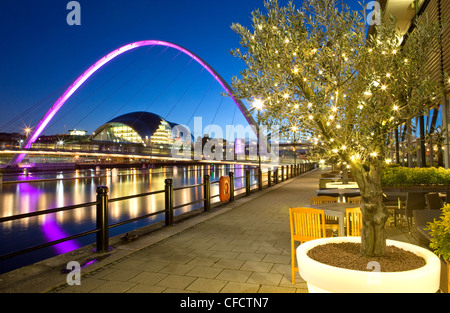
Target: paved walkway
{"points": [[243, 247]]}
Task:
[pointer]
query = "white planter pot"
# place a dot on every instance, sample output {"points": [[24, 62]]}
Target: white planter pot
{"points": [[325, 278]]}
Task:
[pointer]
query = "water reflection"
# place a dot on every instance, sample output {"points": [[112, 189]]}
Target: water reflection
{"points": [[45, 194]]}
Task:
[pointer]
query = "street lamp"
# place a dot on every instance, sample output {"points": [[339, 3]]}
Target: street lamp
{"points": [[258, 105], [294, 129]]}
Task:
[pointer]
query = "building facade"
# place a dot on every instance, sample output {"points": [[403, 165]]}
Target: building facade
{"points": [[428, 133]]}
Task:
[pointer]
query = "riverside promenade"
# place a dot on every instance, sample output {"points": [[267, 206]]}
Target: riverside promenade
{"points": [[240, 247]]}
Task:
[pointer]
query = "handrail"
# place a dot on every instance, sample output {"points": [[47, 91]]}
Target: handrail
{"points": [[44, 212], [136, 196], [102, 205], [47, 244]]}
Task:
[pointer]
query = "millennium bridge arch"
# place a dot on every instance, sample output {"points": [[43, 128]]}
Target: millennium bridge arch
{"points": [[107, 58]]}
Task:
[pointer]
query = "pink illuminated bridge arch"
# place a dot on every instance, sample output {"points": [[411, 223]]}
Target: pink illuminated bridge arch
{"points": [[81, 79]]}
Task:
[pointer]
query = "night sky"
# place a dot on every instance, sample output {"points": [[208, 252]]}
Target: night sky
{"points": [[41, 55]]}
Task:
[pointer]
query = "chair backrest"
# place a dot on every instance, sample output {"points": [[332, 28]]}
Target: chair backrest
{"points": [[354, 221], [307, 224], [354, 199], [323, 199], [415, 201], [433, 200]]}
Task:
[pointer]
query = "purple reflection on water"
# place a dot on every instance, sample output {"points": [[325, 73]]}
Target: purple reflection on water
{"points": [[53, 231]]}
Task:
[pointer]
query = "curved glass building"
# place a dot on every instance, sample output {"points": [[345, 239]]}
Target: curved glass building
{"points": [[136, 127]]}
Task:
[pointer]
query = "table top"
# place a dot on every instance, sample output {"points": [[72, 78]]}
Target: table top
{"points": [[352, 191], [340, 185], [339, 207]]}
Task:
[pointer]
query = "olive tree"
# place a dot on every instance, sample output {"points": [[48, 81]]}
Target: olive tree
{"points": [[315, 69]]}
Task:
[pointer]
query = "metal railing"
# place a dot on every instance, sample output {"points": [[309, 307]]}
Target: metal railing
{"points": [[102, 204]]}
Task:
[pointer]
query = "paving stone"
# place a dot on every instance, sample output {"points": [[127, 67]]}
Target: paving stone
{"points": [[276, 289], [152, 266], [204, 271], [265, 278], [225, 254], [145, 288], [227, 263], [276, 258], [207, 285], [176, 268], [247, 256], [255, 266], [119, 274], [87, 285], [114, 287], [148, 278], [176, 281], [238, 287], [234, 275]]}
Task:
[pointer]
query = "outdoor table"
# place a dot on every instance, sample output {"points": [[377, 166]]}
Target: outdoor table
{"points": [[342, 193], [336, 210], [340, 185]]}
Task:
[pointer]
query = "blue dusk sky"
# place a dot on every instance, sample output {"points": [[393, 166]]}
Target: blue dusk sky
{"points": [[41, 55]]}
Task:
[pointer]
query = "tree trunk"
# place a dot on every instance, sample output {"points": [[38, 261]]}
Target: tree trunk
{"points": [[373, 233], [344, 174]]}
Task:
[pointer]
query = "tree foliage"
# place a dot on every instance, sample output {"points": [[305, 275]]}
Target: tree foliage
{"points": [[315, 69]]}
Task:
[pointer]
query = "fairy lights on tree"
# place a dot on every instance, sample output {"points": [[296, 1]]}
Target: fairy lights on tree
{"points": [[315, 70]]}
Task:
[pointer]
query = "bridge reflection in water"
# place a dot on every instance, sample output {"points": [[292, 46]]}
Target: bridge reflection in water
{"points": [[43, 194]]}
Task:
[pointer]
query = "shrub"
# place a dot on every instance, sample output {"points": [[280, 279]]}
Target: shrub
{"points": [[397, 176], [440, 234]]}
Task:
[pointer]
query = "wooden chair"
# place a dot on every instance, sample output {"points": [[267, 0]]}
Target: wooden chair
{"points": [[323, 199], [354, 221], [354, 200], [306, 224], [330, 221]]}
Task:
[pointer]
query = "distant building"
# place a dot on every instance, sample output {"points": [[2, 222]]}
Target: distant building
{"points": [[139, 128], [77, 132]]}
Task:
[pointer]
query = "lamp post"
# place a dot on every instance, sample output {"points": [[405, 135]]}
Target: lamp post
{"points": [[294, 130], [258, 105]]}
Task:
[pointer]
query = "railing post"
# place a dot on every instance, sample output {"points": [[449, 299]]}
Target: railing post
{"points": [[247, 182], [282, 172], [292, 171], [231, 174], [207, 193], [269, 178], [260, 182], [276, 176], [102, 219], [168, 193]]}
